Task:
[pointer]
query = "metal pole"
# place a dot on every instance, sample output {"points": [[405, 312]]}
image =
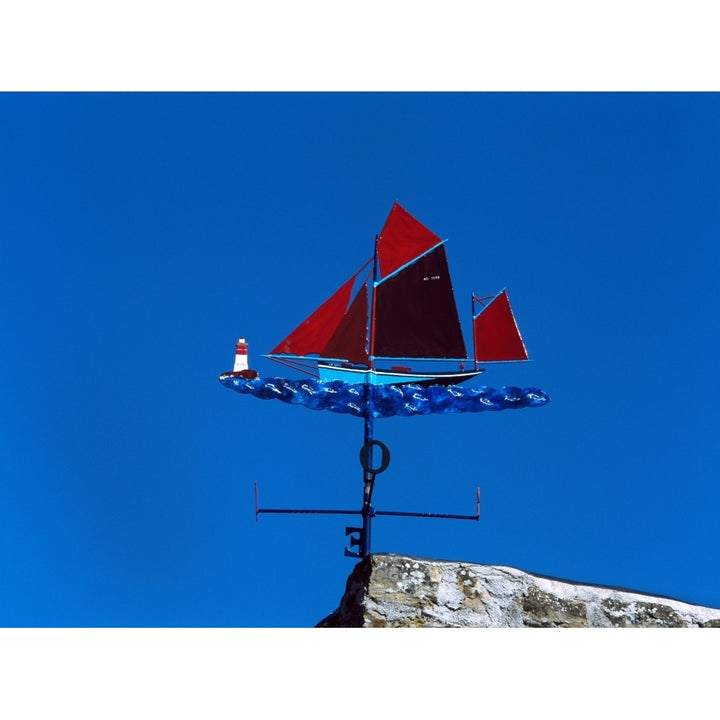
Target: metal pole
{"points": [[368, 477]]}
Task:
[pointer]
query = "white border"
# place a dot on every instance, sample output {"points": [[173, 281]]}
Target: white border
{"points": [[230, 673], [374, 45]]}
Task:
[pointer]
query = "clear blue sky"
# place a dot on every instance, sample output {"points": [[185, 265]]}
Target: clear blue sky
{"points": [[141, 234]]}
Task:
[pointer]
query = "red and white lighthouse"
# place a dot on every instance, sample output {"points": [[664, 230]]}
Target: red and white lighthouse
{"points": [[241, 356], [240, 368]]}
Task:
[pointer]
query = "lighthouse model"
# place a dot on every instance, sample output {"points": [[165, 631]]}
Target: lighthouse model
{"points": [[241, 359], [240, 368]]}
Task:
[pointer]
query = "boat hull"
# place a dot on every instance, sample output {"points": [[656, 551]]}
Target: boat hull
{"points": [[355, 376]]}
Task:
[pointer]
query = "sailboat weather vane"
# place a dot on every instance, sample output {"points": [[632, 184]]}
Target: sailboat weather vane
{"points": [[389, 343]]}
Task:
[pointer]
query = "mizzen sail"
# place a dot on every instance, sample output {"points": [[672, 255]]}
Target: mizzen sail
{"points": [[496, 337]]}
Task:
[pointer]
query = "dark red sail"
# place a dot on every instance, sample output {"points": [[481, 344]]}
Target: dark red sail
{"points": [[415, 312], [349, 342], [495, 332]]}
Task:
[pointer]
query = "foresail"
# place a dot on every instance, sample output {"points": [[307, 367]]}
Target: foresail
{"points": [[496, 337], [314, 333], [350, 341]]}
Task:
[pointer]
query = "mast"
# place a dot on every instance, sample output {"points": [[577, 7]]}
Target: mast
{"points": [[472, 316], [371, 299]]}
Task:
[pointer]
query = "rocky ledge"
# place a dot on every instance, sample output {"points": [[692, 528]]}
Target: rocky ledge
{"points": [[399, 591]]}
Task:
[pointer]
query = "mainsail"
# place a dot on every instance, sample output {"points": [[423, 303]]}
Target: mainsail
{"points": [[415, 312]]}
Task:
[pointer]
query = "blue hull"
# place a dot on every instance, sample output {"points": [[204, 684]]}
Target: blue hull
{"points": [[356, 376]]}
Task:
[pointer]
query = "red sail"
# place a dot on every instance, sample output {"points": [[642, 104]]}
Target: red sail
{"points": [[402, 239], [349, 342], [312, 335], [496, 333], [415, 312]]}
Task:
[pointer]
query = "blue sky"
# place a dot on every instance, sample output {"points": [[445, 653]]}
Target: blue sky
{"points": [[141, 234]]}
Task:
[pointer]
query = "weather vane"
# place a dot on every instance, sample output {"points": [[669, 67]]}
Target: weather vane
{"points": [[359, 348]]}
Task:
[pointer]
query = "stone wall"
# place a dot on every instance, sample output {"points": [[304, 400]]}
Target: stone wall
{"points": [[398, 591]]}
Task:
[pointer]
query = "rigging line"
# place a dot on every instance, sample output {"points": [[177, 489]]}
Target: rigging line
{"points": [[485, 301], [296, 365]]}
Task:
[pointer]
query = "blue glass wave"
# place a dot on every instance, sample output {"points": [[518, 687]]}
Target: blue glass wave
{"points": [[387, 400]]}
